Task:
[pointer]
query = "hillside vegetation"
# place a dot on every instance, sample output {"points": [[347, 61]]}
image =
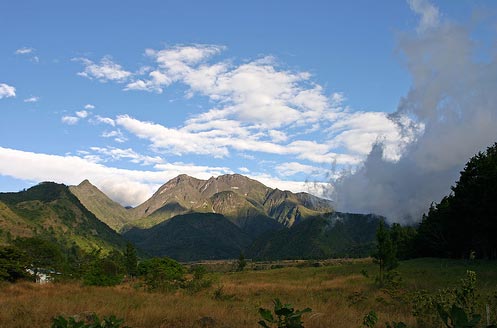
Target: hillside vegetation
{"points": [[52, 211]]}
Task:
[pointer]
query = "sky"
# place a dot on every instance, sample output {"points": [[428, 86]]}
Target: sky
{"points": [[295, 94]]}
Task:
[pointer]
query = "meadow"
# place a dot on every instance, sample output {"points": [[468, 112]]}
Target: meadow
{"points": [[340, 293]]}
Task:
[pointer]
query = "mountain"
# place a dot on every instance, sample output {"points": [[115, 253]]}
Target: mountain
{"points": [[326, 236], [190, 237], [51, 210], [104, 208], [254, 207]]}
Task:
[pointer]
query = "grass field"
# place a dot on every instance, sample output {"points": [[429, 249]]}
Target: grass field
{"points": [[338, 293]]}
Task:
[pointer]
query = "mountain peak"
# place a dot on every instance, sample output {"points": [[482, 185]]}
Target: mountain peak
{"points": [[84, 183]]}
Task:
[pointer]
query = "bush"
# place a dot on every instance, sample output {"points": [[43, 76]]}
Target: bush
{"points": [[106, 271], [13, 264], [93, 322], [161, 273], [286, 316]]}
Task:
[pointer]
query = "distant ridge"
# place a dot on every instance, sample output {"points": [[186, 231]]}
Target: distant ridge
{"points": [[51, 210], [104, 208]]}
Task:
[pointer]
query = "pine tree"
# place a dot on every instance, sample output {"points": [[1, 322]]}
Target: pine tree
{"points": [[242, 263], [130, 260], [385, 255]]}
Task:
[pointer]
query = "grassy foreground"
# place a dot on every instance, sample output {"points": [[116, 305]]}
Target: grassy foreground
{"points": [[338, 293]]}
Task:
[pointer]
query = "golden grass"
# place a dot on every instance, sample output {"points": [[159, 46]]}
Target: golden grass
{"points": [[339, 298]]}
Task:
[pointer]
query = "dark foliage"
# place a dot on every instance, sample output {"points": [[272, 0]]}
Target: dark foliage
{"points": [[333, 235], [463, 224], [13, 264], [161, 273], [191, 237]]}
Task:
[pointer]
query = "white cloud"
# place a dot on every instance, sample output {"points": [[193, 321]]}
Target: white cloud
{"points": [[128, 187], [32, 99], [82, 114], [89, 106], [257, 107], [277, 136], [243, 169], [134, 157], [116, 134], [105, 71], [7, 91], [292, 168], [255, 93], [70, 120], [97, 119], [428, 12], [316, 188], [358, 131], [218, 142], [24, 51]]}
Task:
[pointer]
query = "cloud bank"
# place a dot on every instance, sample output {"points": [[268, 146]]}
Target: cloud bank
{"points": [[453, 100]]}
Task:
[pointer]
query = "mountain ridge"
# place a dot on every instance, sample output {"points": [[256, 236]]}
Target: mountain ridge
{"points": [[52, 210], [244, 201]]}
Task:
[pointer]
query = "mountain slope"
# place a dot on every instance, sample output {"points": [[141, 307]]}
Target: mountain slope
{"points": [[190, 237], [50, 209], [333, 235], [246, 202], [104, 208]]}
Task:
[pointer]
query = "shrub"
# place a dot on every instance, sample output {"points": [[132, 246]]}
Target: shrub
{"points": [[370, 319], [286, 316], [105, 271], [93, 322], [13, 264], [161, 273]]}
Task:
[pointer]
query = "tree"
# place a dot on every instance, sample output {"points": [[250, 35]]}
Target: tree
{"points": [[103, 271], [161, 273], [465, 221], [130, 260], [13, 264], [242, 263], [403, 238], [41, 253], [385, 255]]}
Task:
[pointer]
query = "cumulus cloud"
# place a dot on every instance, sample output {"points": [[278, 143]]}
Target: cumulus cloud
{"points": [[7, 91], [174, 64], [257, 107], [104, 71], [452, 99], [89, 106]]}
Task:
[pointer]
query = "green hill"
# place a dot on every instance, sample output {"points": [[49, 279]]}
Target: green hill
{"points": [[326, 236], [51, 210], [190, 237]]}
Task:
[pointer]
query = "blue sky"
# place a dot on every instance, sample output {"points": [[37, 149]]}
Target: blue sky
{"points": [[130, 94]]}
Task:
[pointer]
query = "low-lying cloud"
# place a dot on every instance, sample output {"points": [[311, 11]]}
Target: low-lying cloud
{"points": [[453, 99]]}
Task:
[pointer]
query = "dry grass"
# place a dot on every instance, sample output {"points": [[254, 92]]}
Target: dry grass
{"points": [[337, 300], [339, 295]]}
